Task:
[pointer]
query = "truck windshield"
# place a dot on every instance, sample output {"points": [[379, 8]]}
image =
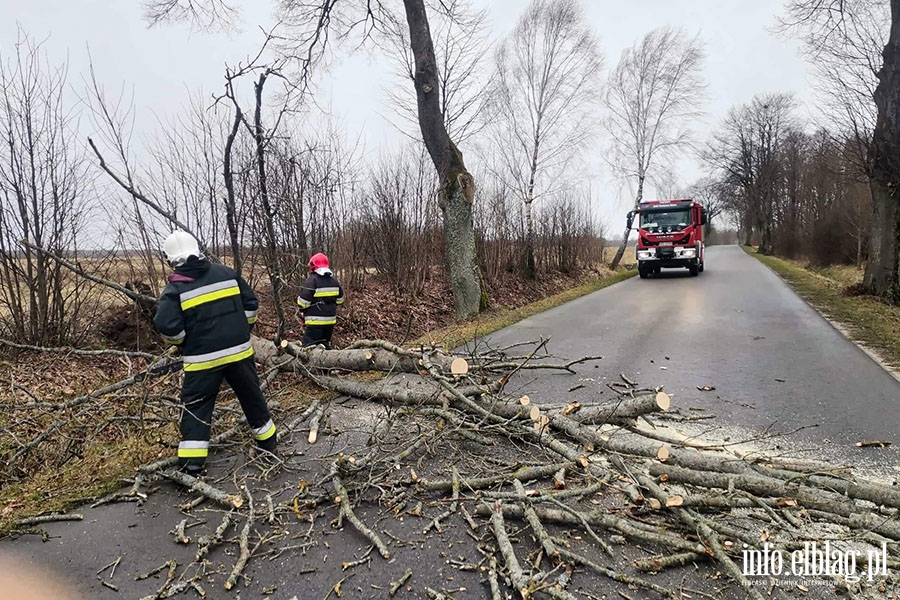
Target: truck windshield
{"points": [[670, 220]]}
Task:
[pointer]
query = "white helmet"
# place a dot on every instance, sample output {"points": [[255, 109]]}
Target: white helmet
{"points": [[179, 247]]}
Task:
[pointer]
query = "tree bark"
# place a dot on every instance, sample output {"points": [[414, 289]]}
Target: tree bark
{"points": [[637, 204], [274, 263], [457, 186], [881, 276], [528, 267], [230, 205]]}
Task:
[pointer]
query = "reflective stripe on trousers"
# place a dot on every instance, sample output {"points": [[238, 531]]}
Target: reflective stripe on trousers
{"points": [[310, 320], [193, 449], [264, 432], [210, 360]]}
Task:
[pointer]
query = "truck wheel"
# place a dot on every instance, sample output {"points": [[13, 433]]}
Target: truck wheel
{"points": [[695, 270], [642, 272], [701, 267]]}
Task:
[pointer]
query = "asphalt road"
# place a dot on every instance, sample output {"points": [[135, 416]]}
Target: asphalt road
{"points": [[775, 362]]}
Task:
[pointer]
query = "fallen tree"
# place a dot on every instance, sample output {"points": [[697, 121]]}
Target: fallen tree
{"points": [[689, 503]]}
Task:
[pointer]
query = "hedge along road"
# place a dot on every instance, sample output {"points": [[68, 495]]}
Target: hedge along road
{"points": [[775, 362]]}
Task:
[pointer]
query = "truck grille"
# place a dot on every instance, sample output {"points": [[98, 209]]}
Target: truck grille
{"points": [[649, 244]]}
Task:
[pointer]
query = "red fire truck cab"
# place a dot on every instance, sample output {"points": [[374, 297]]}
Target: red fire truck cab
{"points": [[670, 235]]}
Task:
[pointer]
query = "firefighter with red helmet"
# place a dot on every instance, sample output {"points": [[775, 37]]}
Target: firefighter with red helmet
{"points": [[208, 310], [319, 298]]}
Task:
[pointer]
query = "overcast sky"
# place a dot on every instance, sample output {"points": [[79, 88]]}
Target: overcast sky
{"points": [[163, 65]]}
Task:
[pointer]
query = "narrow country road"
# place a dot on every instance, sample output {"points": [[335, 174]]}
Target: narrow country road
{"points": [[774, 361]]}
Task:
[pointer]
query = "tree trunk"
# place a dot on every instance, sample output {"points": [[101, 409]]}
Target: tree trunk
{"points": [[528, 267], [274, 263], [457, 187], [630, 221], [230, 204], [881, 270]]}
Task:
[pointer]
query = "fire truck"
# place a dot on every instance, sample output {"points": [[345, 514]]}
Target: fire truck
{"points": [[670, 235]]}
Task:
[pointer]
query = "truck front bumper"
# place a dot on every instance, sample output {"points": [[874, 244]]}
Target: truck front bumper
{"points": [[668, 257]]}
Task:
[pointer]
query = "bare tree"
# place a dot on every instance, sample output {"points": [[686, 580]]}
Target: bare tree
{"points": [[543, 98], [846, 35], [747, 148], [43, 183], [713, 195], [457, 186], [312, 23], [652, 96], [461, 50]]}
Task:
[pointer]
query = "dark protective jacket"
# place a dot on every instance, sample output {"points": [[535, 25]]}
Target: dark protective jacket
{"points": [[319, 298], [207, 309]]}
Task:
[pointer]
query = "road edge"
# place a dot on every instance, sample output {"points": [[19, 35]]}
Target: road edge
{"points": [[462, 333], [839, 326]]}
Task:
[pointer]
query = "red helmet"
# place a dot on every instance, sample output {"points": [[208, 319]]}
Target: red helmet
{"points": [[318, 261]]}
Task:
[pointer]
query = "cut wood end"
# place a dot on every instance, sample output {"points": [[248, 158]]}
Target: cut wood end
{"points": [[337, 499], [459, 366], [235, 501], [583, 461], [524, 400], [535, 413], [663, 401], [676, 500], [284, 343], [871, 443], [369, 355], [313, 436], [663, 453], [654, 504], [664, 477]]}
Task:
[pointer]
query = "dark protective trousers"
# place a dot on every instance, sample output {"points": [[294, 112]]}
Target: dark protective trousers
{"points": [[199, 398], [315, 335]]}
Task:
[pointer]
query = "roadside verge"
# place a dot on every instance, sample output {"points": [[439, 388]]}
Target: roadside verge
{"points": [[493, 320]]}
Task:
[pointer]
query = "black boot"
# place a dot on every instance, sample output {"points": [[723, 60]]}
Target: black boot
{"points": [[269, 445], [192, 467]]}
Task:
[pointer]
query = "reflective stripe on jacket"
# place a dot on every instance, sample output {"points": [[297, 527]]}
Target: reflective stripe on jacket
{"points": [[319, 298], [207, 309]]}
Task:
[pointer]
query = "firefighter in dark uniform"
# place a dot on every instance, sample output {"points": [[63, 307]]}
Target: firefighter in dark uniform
{"points": [[319, 298], [207, 310]]}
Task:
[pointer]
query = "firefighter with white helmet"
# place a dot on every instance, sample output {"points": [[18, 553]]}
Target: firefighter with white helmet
{"points": [[208, 310], [319, 298]]}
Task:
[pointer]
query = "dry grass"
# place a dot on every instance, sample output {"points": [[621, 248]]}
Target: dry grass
{"points": [[493, 320]]}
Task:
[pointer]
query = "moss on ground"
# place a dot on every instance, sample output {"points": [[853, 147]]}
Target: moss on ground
{"points": [[867, 319]]}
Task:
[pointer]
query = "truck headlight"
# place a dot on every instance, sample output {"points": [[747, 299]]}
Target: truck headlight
{"points": [[689, 252], [645, 254]]}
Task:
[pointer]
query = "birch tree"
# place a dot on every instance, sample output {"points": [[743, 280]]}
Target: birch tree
{"points": [[652, 97], [544, 96]]}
